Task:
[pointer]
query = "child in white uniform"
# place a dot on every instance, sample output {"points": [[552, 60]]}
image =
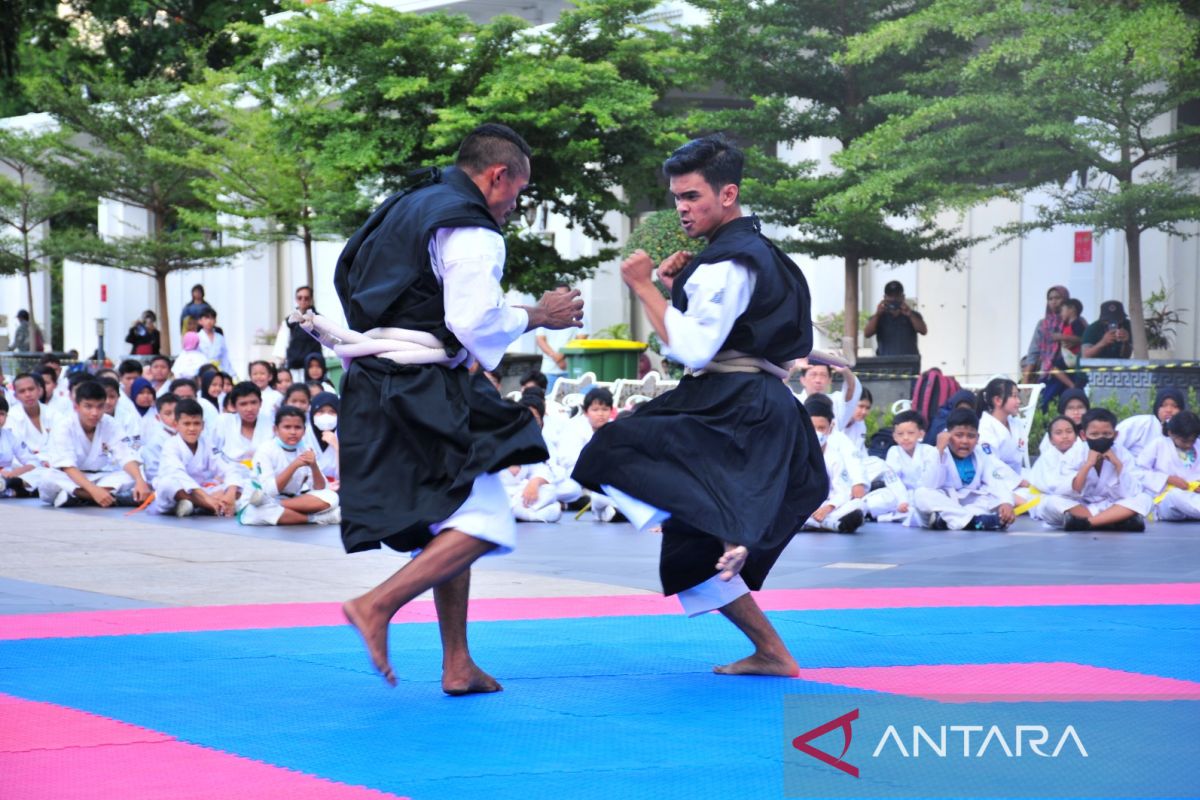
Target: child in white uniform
{"points": [[324, 419], [1171, 470], [1001, 432], [19, 467], [816, 380], [843, 510], [1141, 431], [532, 488], [156, 433], [969, 489], [573, 436], [1106, 491], [290, 479], [89, 459], [32, 420], [192, 473], [909, 464], [1060, 455], [239, 435]]}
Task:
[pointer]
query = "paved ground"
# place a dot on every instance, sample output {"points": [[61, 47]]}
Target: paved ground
{"points": [[148, 657]]}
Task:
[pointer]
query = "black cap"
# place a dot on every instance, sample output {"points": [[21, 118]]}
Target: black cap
{"points": [[1112, 311]]}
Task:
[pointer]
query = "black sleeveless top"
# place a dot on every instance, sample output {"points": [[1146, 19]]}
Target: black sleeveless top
{"points": [[776, 325]]}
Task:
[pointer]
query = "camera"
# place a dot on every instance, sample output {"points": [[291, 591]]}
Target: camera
{"points": [[1114, 326], [892, 306]]}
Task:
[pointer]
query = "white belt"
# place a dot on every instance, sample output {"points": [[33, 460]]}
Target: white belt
{"points": [[737, 361], [400, 345]]}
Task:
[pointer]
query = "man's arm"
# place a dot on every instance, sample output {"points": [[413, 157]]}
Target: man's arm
{"points": [[918, 322]]}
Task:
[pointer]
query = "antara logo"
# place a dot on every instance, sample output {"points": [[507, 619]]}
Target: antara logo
{"points": [[801, 742]]}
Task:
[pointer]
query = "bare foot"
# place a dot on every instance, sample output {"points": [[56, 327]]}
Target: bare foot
{"points": [[732, 562], [469, 680], [374, 630], [761, 664]]}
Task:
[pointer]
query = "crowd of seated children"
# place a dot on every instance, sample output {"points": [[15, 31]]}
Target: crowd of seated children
{"points": [[843, 510]]}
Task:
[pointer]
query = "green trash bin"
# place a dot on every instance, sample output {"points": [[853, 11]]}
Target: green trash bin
{"points": [[608, 359], [333, 372]]}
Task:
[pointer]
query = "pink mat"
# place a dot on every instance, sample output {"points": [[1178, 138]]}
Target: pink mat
{"points": [[303, 615], [49, 752], [963, 683]]}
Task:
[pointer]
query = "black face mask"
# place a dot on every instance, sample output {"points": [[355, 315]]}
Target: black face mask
{"points": [[1100, 445]]}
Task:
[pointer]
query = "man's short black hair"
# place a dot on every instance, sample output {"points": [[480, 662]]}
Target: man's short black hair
{"points": [[597, 394], [175, 384], [714, 157], [493, 143], [536, 377], [188, 408], [108, 383], [300, 289], [962, 418], [914, 417], [893, 289], [165, 400], [244, 389], [158, 358], [819, 406], [90, 390], [1185, 424], [289, 411], [1098, 415], [23, 315], [129, 366]]}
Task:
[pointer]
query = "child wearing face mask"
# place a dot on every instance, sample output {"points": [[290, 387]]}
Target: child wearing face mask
{"points": [[843, 510], [324, 417], [1106, 492], [290, 478], [1171, 470]]}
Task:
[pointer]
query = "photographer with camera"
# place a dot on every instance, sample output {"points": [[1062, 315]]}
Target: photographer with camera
{"points": [[894, 325], [1110, 336]]}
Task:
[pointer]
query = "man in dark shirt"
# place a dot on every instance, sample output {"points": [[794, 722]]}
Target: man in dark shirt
{"points": [[894, 325], [1110, 336]]}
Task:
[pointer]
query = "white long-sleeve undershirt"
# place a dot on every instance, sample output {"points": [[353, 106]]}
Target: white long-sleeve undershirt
{"points": [[717, 294]]}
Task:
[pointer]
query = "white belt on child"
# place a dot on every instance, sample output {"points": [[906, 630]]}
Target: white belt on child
{"points": [[737, 361], [401, 345]]}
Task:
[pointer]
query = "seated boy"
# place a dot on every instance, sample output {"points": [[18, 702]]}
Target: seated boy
{"points": [[1171, 470], [239, 435], [572, 438], [289, 479], [908, 466], [843, 510], [19, 466], [192, 474], [83, 453], [969, 489], [1106, 491], [532, 488], [155, 434]]}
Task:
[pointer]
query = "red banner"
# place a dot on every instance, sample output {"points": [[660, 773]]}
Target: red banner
{"points": [[1083, 247]]}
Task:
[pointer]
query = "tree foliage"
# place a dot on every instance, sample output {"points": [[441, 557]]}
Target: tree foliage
{"points": [[1051, 88]]}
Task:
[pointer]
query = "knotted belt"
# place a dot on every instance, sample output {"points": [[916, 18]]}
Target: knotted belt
{"points": [[401, 345], [737, 361]]}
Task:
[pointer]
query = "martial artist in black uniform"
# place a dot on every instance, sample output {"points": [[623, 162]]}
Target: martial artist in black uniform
{"points": [[729, 455], [421, 437]]}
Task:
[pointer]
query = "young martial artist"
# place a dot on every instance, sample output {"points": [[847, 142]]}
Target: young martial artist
{"points": [[1143, 430], [89, 458], [857, 429], [595, 412], [324, 418], [212, 342], [1171, 470], [155, 433], [192, 474], [729, 458], [532, 489], [19, 467], [32, 420], [843, 509], [1060, 455], [909, 466], [422, 437], [1106, 491], [239, 435], [1001, 432], [1073, 404], [289, 478], [970, 489], [264, 376]]}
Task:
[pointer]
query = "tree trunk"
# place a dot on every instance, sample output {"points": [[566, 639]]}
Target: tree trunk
{"points": [[164, 318], [29, 299], [308, 262], [850, 325], [1137, 315]]}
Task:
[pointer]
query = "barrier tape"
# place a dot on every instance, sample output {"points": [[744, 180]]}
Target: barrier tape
{"points": [[1132, 368]]}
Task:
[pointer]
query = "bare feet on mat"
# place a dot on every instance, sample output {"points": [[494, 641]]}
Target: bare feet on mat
{"points": [[468, 679], [373, 627], [762, 664], [732, 562]]}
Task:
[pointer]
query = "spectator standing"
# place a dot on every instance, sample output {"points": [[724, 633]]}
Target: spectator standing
{"points": [[212, 341], [143, 336], [1039, 359], [894, 325], [292, 345], [1110, 336], [189, 320], [28, 337]]}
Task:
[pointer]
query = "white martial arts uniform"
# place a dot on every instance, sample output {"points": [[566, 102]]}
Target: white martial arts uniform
{"points": [[546, 507], [14, 454], [35, 439], [156, 435], [843, 406], [188, 364], [215, 350], [270, 459], [1160, 461], [904, 475], [1006, 444], [572, 436], [1052, 474], [945, 493], [237, 449], [271, 400], [101, 458], [1100, 491], [182, 470], [1137, 433], [845, 470]]}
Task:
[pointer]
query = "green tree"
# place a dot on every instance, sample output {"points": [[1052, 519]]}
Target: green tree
{"points": [[406, 88], [28, 203], [33, 40], [125, 130], [784, 58], [1052, 85], [255, 166]]}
